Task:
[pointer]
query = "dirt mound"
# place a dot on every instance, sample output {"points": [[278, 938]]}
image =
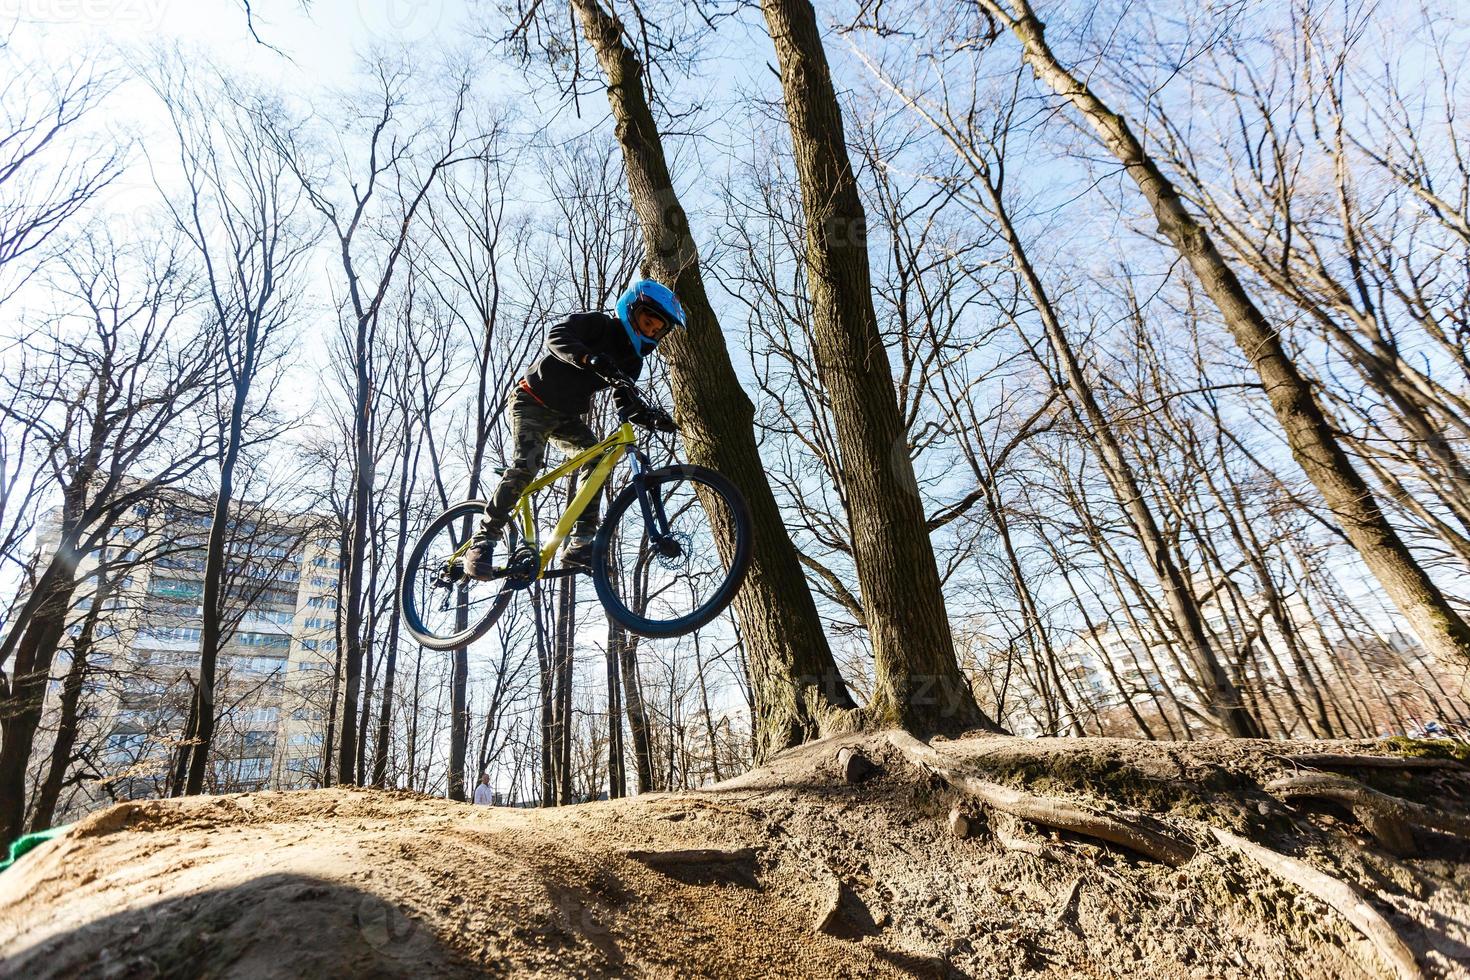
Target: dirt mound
{"points": [[793, 870]]}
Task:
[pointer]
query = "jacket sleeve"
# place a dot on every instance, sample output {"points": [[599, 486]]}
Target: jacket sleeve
{"points": [[568, 341]]}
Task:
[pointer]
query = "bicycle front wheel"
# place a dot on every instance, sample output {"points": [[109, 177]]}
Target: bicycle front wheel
{"points": [[442, 609], [673, 551]]}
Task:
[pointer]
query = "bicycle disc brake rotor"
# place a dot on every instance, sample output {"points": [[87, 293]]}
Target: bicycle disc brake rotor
{"points": [[672, 551]]}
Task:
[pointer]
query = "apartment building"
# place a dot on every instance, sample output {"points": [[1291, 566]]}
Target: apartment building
{"points": [[274, 672]]}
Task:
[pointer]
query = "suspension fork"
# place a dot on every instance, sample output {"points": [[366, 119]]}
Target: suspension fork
{"points": [[648, 501]]}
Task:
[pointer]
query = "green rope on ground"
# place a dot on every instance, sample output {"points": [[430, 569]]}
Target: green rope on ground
{"points": [[24, 843]]}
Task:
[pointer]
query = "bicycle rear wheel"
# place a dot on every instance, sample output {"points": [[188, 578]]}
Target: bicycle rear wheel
{"points": [[442, 609], [671, 556]]}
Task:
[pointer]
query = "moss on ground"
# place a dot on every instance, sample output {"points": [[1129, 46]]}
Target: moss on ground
{"points": [[1429, 748]]}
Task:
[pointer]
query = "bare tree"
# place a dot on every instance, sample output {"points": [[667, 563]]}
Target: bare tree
{"points": [[115, 404], [1303, 423], [47, 175], [396, 169], [240, 211]]}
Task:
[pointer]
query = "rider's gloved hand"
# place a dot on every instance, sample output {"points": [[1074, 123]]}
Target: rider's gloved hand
{"points": [[656, 419], [604, 365]]}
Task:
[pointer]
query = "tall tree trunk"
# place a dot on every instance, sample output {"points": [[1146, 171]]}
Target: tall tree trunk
{"points": [[617, 776], [799, 692], [372, 659], [1306, 428], [413, 719], [365, 711], [362, 491], [390, 666], [566, 625], [917, 681], [547, 710], [179, 769], [341, 649], [26, 693], [459, 726], [202, 735], [49, 792], [709, 720], [637, 712]]}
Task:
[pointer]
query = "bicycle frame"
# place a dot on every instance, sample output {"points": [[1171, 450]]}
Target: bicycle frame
{"points": [[606, 455]]}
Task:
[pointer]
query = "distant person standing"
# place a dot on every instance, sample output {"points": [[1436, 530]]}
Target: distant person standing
{"points": [[484, 795]]}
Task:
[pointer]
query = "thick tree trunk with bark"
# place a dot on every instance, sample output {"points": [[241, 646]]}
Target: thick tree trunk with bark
{"points": [[200, 737], [637, 712], [459, 726], [799, 692], [1306, 428], [49, 792], [617, 774], [917, 681], [364, 467], [25, 693]]}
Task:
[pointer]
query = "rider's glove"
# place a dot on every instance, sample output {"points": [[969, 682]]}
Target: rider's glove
{"points": [[656, 419], [604, 365]]}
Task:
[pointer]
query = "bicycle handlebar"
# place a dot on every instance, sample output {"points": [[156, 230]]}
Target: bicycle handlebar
{"points": [[628, 386]]}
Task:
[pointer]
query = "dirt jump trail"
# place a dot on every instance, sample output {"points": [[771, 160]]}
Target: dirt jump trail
{"points": [[873, 855]]}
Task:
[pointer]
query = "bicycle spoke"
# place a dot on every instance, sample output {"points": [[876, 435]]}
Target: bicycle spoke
{"points": [[441, 605], [675, 572]]}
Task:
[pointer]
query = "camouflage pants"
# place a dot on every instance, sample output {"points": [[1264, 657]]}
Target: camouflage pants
{"points": [[532, 426]]}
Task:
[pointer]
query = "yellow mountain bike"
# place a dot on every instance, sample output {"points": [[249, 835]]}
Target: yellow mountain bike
{"points": [[668, 557]]}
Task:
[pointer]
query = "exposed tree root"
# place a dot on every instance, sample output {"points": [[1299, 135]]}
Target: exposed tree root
{"points": [[1329, 760], [1340, 895], [1048, 810], [1386, 817], [1006, 832]]}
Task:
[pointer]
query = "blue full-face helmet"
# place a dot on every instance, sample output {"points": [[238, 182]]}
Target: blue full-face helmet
{"points": [[657, 299]]}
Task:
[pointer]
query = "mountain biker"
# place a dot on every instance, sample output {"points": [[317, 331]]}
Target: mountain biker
{"points": [[585, 353]]}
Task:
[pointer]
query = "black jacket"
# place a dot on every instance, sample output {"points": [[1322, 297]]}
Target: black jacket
{"points": [[559, 378]]}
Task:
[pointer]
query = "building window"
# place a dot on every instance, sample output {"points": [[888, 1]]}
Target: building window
{"points": [[170, 634], [277, 640], [258, 665], [176, 588], [271, 616], [257, 717]]}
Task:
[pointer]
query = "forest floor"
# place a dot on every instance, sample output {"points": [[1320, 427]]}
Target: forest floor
{"points": [[1263, 864]]}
